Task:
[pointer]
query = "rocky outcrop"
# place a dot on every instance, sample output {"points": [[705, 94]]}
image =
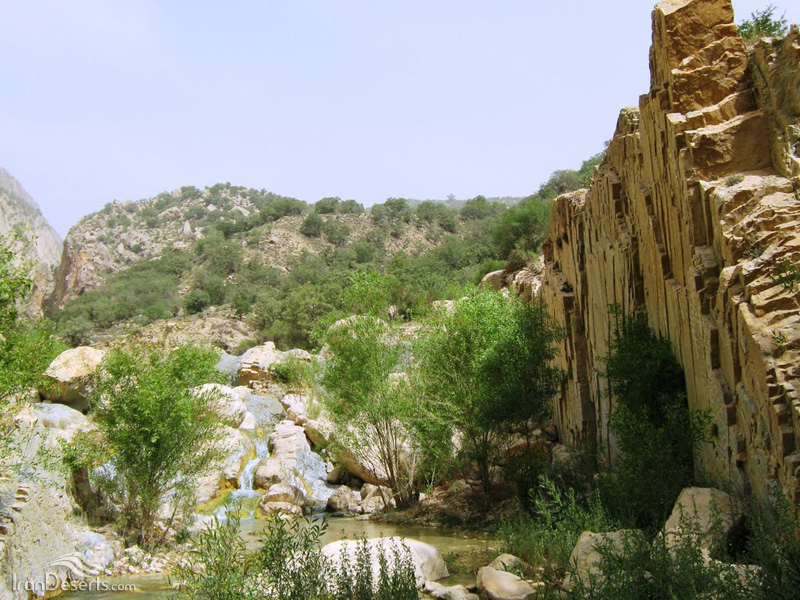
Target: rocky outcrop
{"points": [[18, 209], [688, 218], [706, 514], [586, 558]]}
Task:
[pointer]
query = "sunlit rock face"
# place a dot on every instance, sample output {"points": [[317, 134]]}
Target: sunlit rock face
{"points": [[688, 218]]}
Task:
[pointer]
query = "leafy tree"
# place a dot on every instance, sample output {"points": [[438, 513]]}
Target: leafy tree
{"points": [[159, 434], [336, 233], [369, 293], [350, 207], [278, 207], [479, 208], [487, 364], [312, 226], [327, 206], [651, 422], [374, 410], [763, 23], [196, 301]]}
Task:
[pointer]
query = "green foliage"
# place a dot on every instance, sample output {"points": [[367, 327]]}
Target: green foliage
{"points": [[350, 207], [376, 413], [654, 429], [548, 535], [480, 208], [787, 275], [639, 571], [763, 23], [312, 226], [276, 207], [289, 566], [488, 362], [148, 289], [368, 293], [525, 226], [327, 206], [336, 232], [196, 301], [294, 372], [15, 277], [158, 432]]}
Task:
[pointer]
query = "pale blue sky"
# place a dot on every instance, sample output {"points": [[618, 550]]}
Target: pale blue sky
{"points": [[355, 98]]}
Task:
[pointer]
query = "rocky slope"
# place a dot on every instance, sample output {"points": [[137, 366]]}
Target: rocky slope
{"points": [[689, 218], [121, 234], [18, 209]]}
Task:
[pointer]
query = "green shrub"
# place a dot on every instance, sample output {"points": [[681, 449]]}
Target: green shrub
{"points": [[659, 572], [288, 566], [312, 226], [327, 206], [196, 301], [654, 429], [763, 23], [549, 534], [336, 233], [158, 434]]}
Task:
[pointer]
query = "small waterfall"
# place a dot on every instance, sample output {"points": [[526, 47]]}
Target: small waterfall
{"points": [[245, 489]]}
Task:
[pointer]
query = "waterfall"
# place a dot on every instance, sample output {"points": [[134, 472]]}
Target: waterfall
{"points": [[245, 489]]}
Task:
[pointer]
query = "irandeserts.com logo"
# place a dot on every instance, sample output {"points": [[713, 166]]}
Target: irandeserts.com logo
{"points": [[69, 572]]}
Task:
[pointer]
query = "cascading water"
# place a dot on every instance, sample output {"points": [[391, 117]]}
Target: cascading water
{"points": [[245, 489]]}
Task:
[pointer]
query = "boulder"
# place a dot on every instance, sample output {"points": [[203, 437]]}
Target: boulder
{"points": [[228, 402], [283, 498], [441, 592], [344, 500], [249, 422], [428, 562], [585, 559], [67, 376], [499, 585], [96, 549], [268, 473], [375, 497], [256, 364], [494, 280], [702, 513], [64, 422], [509, 563]]}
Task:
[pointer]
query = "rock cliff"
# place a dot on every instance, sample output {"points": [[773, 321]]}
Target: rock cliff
{"points": [[18, 209], [689, 218]]}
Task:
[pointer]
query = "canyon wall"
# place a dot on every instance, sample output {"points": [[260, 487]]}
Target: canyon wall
{"points": [[688, 218]]}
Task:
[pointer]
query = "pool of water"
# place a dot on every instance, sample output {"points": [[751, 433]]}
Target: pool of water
{"points": [[154, 586]]}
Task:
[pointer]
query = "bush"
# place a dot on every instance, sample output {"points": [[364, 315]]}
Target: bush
{"points": [[548, 536], [487, 365], [159, 435], [654, 429], [763, 23], [288, 566], [196, 301], [336, 233], [312, 226], [327, 206]]}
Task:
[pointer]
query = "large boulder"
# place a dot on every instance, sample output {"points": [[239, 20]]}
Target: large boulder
{"points": [[499, 585], [64, 422], [67, 376], [268, 473], [256, 364], [428, 562], [344, 500], [228, 402], [584, 562], [283, 498], [703, 513], [509, 563]]}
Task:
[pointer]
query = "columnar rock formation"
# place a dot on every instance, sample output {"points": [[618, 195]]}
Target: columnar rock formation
{"points": [[688, 218]]}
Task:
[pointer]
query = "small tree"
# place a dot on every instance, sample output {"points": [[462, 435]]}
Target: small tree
{"points": [[374, 409], [486, 364], [159, 434], [312, 226], [763, 23]]}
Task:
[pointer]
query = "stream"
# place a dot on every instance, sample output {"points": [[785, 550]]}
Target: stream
{"points": [[155, 587]]}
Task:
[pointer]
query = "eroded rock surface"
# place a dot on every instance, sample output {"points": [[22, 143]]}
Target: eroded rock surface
{"points": [[689, 218]]}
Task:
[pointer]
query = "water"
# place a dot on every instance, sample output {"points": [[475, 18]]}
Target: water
{"points": [[245, 489], [154, 587]]}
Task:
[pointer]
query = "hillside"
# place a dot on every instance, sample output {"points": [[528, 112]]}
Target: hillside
{"points": [[274, 263], [18, 209]]}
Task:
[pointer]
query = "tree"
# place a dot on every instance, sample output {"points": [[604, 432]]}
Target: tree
{"points": [[327, 206], [487, 365], [158, 432], [374, 409], [312, 226], [763, 23]]}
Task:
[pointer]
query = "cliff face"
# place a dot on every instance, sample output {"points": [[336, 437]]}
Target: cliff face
{"points": [[17, 209], [688, 218]]}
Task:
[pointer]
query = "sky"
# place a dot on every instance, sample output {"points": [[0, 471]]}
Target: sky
{"points": [[363, 99]]}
